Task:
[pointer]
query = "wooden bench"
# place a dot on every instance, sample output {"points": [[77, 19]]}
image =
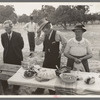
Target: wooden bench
{"points": [[6, 71]]}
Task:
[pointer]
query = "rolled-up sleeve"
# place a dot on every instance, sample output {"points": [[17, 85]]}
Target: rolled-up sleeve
{"points": [[39, 40], [89, 49], [67, 48], [60, 38]]}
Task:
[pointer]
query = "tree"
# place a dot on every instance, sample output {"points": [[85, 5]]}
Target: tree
{"points": [[45, 12], [23, 18], [83, 10], [62, 15], [71, 14], [6, 13], [14, 18]]}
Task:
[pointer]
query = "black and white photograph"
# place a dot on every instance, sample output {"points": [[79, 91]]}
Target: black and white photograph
{"points": [[49, 49]]}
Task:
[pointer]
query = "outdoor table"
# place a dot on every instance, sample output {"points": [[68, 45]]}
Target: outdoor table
{"points": [[78, 88], [6, 71]]}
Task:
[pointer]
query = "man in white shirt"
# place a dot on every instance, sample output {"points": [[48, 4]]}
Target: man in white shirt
{"points": [[31, 30], [78, 49]]}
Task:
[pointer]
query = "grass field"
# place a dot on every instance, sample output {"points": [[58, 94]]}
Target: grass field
{"points": [[92, 34]]}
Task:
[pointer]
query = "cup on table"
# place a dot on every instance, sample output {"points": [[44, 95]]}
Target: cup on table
{"points": [[25, 64]]}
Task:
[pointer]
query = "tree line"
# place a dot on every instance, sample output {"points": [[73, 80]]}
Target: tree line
{"points": [[62, 15]]}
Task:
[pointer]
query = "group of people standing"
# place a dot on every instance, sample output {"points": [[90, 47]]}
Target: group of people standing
{"points": [[77, 49]]}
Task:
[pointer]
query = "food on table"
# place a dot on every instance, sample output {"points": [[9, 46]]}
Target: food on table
{"points": [[68, 77], [63, 69], [40, 79], [79, 78], [29, 73], [90, 80], [45, 74]]}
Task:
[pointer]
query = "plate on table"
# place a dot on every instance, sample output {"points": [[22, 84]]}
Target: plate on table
{"points": [[68, 78], [27, 76]]}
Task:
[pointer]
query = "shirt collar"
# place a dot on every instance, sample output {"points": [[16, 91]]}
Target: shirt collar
{"points": [[50, 34], [78, 41], [10, 34]]}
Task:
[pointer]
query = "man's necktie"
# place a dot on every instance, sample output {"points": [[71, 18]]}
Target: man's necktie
{"points": [[9, 36]]}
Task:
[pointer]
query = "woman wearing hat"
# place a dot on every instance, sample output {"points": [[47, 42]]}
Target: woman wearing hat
{"points": [[78, 49], [51, 40]]}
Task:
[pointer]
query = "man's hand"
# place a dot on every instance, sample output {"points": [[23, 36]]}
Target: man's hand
{"points": [[38, 33], [81, 59], [77, 60]]}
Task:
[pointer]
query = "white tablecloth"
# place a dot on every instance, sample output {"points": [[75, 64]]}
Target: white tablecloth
{"points": [[80, 86]]}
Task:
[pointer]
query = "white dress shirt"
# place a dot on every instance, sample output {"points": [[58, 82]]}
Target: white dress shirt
{"points": [[58, 38], [30, 27], [78, 48]]}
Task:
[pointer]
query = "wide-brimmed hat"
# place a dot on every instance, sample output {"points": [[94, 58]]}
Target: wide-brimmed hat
{"points": [[42, 23], [79, 27]]}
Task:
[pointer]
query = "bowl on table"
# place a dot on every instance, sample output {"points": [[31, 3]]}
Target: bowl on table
{"points": [[68, 78]]}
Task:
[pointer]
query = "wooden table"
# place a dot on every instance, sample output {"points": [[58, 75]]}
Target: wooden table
{"points": [[6, 71], [80, 87]]}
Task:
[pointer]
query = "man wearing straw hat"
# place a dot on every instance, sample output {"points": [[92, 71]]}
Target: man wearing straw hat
{"points": [[51, 40], [78, 49]]}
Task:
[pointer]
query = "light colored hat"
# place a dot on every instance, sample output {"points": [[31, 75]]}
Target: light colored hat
{"points": [[79, 27], [9, 22], [42, 23]]}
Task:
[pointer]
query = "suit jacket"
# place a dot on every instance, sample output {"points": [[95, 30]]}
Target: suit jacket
{"points": [[17, 44]]}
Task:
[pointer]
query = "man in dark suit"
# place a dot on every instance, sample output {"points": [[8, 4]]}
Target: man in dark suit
{"points": [[13, 44]]}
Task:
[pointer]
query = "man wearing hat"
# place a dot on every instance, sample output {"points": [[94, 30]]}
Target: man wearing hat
{"points": [[13, 44], [51, 39], [78, 49], [31, 31]]}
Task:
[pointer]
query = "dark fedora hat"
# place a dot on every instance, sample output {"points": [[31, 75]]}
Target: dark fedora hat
{"points": [[79, 27], [42, 23], [31, 17]]}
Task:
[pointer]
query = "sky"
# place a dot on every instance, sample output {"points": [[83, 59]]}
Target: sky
{"points": [[28, 7]]}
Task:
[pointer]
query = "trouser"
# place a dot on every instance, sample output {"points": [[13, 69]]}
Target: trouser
{"points": [[31, 39], [5, 86], [70, 63], [41, 91], [50, 61]]}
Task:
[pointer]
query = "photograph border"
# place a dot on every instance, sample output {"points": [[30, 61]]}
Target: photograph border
{"points": [[50, 97]]}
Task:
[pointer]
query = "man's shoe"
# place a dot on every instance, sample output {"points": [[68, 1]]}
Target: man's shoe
{"points": [[31, 55]]}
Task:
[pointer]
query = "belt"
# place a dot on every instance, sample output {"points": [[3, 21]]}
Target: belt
{"points": [[78, 56], [31, 32]]}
